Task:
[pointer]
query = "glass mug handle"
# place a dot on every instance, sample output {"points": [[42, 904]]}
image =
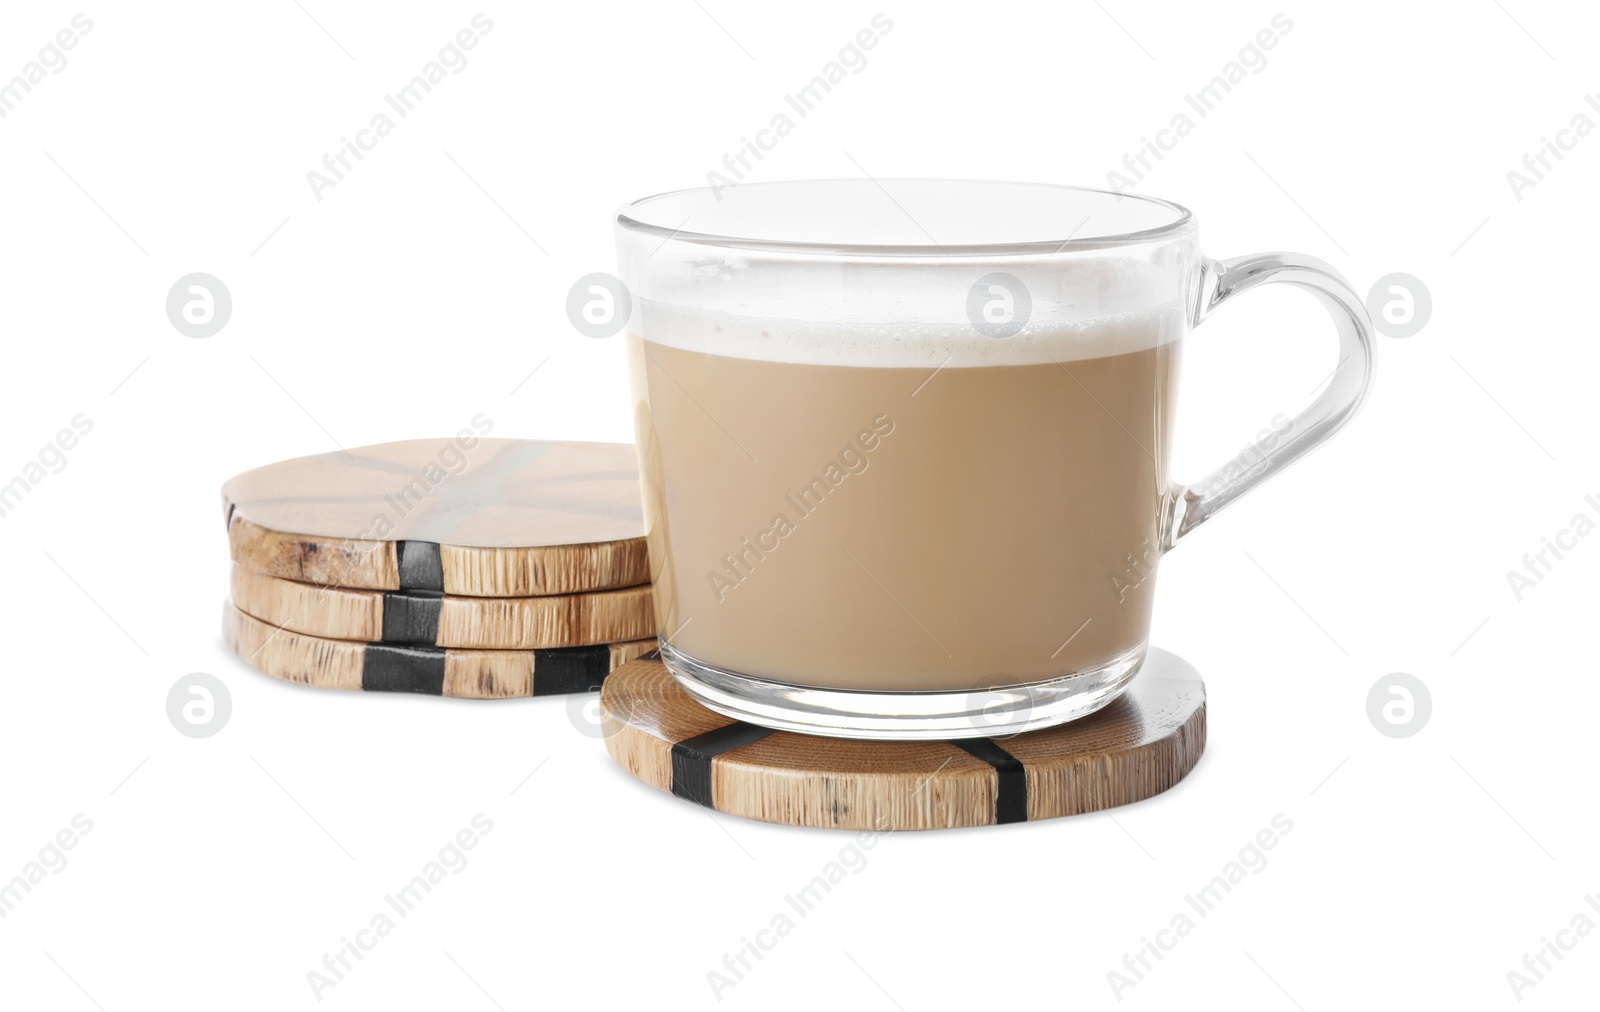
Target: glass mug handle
{"points": [[1193, 505]]}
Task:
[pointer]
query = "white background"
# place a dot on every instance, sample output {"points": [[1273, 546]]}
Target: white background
{"points": [[429, 283]]}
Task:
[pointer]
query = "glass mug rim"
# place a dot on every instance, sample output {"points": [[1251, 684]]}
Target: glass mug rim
{"points": [[814, 211]]}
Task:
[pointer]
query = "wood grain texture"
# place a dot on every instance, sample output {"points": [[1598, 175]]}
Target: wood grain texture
{"points": [[1140, 745], [511, 517], [478, 623], [467, 674]]}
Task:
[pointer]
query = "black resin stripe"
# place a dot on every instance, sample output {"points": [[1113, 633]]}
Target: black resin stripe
{"points": [[387, 667], [691, 758], [570, 669], [1011, 795], [411, 618], [420, 565]]}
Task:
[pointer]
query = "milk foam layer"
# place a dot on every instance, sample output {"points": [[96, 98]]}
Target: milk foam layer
{"points": [[904, 345]]}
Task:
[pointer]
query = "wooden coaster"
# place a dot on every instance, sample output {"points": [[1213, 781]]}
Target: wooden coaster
{"points": [[419, 619], [470, 515], [380, 667], [1144, 742]]}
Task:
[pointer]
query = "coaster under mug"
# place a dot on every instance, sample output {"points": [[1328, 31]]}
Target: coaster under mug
{"points": [[1143, 743]]}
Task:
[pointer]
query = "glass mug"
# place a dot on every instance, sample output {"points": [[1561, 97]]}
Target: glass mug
{"points": [[904, 443]]}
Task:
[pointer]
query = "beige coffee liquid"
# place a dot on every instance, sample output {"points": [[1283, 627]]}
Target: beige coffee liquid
{"points": [[946, 511]]}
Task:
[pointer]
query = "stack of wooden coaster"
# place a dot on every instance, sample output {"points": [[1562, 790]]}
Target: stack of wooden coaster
{"points": [[472, 567]]}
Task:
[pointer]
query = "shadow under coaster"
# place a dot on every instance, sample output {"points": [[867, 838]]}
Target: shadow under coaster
{"points": [[1143, 743]]}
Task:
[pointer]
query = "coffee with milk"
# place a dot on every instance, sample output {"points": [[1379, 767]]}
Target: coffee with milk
{"points": [[894, 507]]}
